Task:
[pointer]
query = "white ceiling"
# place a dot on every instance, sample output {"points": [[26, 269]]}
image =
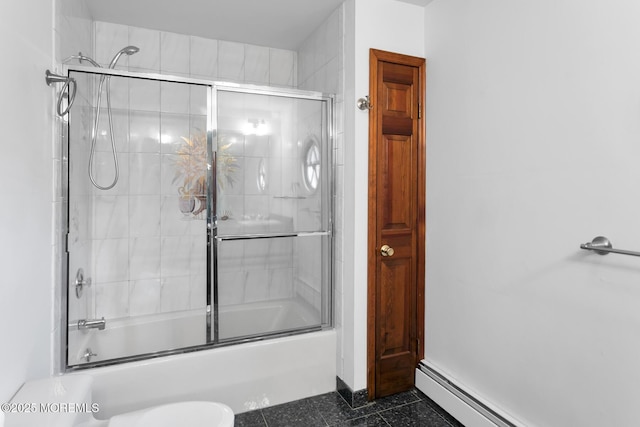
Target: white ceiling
{"points": [[282, 24]]}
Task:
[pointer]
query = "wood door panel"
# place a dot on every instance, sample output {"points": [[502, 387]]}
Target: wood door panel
{"points": [[398, 73], [397, 190], [393, 125], [396, 219], [395, 374], [398, 99], [395, 306]]}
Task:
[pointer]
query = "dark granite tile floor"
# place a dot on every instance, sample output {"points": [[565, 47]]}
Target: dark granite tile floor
{"points": [[411, 408]]}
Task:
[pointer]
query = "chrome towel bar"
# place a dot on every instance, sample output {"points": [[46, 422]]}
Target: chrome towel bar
{"points": [[602, 246]]}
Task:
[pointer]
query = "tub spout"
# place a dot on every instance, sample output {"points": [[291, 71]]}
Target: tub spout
{"points": [[92, 324]]}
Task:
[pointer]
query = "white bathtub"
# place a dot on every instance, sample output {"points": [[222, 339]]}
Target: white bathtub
{"points": [[169, 331], [244, 376]]}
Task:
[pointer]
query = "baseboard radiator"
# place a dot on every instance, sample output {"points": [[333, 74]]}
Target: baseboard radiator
{"points": [[466, 408]]}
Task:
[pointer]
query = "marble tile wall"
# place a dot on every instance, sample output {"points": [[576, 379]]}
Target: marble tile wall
{"points": [[185, 55], [148, 257]]}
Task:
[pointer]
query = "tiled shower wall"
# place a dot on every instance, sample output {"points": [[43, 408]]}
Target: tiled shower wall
{"points": [[316, 66], [128, 281]]}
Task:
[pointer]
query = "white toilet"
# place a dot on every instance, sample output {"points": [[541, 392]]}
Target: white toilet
{"points": [[66, 401]]}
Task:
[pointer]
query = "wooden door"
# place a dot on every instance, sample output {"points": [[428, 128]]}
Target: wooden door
{"points": [[396, 222]]}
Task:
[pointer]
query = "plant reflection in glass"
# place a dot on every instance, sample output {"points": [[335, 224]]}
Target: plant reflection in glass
{"points": [[191, 171]]}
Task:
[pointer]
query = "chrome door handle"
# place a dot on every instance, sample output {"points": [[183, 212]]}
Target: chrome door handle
{"points": [[386, 250]]}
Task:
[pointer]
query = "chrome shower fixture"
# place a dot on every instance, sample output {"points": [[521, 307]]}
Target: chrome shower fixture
{"points": [[69, 86], [128, 50]]}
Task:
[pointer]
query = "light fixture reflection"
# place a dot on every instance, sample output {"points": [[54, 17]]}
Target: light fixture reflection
{"points": [[255, 127]]}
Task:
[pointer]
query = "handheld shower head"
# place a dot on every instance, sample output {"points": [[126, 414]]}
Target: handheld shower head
{"points": [[129, 50]]}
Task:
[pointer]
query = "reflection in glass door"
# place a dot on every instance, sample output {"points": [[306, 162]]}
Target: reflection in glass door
{"points": [[273, 210]]}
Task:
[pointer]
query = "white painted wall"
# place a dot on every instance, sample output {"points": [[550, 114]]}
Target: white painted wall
{"points": [[392, 26], [26, 210], [533, 147]]}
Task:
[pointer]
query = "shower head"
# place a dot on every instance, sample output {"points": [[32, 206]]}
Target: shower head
{"points": [[129, 50]]}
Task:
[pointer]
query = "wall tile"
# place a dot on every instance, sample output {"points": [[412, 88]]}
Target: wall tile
{"points": [[144, 258], [256, 64], [257, 287], [144, 131], [174, 53], [172, 221], [110, 217], [231, 61], [109, 39], [148, 58], [111, 260], [144, 173], [231, 287], [112, 300], [174, 295], [174, 98], [144, 95], [144, 297], [280, 283], [173, 127], [175, 256], [203, 57], [282, 67], [144, 216]]}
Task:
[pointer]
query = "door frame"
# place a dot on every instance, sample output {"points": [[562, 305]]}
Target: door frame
{"points": [[375, 57]]}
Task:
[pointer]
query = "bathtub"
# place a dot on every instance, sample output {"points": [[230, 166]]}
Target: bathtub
{"points": [[244, 376], [177, 330]]}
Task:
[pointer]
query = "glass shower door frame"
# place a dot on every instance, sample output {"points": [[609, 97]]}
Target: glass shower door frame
{"points": [[216, 239], [213, 239]]}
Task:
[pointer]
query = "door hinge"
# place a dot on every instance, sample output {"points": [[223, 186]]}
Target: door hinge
{"points": [[419, 111]]}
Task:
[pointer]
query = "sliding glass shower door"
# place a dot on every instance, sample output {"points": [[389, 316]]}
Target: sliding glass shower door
{"points": [[199, 214], [273, 211], [137, 250]]}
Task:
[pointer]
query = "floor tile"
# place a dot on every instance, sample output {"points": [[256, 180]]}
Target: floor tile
{"points": [[373, 420], [396, 400], [294, 414], [335, 409], [250, 419], [414, 414], [412, 408]]}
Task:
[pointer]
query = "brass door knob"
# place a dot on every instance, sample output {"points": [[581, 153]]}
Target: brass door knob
{"points": [[386, 250]]}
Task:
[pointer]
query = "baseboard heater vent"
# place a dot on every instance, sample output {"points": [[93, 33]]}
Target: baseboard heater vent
{"points": [[461, 394]]}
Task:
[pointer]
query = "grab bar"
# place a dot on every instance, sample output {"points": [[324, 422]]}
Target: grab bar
{"points": [[602, 246], [222, 238]]}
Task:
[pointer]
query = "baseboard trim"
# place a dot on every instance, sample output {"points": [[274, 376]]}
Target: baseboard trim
{"points": [[355, 399], [462, 405]]}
